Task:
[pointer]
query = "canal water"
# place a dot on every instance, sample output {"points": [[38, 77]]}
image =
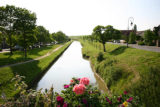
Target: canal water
{"points": [[70, 64]]}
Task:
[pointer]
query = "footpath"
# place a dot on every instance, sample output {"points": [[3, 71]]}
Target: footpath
{"points": [[41, 57]]}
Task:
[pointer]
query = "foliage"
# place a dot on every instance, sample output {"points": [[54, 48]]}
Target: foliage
{"points": [[132, 38], [100, 57], [141, 43], [7, 22], [68, 98], [148, 37], [103, 34], [60, 37], [25, 24], [42, 35]]}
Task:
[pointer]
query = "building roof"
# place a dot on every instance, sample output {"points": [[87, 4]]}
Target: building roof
{"points": [[126, 32]]}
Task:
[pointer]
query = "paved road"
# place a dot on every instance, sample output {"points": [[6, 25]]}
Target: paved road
{"points": [[148, 48], [41, 57]]}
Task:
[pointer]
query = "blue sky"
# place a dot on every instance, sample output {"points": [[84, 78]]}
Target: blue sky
{"points": [[79, 17]]}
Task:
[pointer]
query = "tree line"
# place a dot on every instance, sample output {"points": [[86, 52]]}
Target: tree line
{"points": [[107, 33], [18, 27]]}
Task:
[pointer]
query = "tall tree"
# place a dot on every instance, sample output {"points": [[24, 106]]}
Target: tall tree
{"points": [[8, 18], [135, 28], [132, 38], [25, 24], [148, 37], [103, 34], [156, 30], [42, 35], [60, 37]]}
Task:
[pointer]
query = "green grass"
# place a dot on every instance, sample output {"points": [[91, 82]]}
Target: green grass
{"points": [[32, 71], [129, 69], [18, 56]]}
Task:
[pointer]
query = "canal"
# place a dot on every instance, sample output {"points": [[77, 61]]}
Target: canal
{"points": [[70, 64]]}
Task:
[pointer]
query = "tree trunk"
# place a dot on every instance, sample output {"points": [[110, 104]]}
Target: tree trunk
{"points": [[104, 48], [10, 44], [25, 50]]}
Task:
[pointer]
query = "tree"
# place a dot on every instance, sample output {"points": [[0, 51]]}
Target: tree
{"points": [[43, 35], [135, 28], [132, 38], [60, 37], [103, 34], [148, 37], [8, 18], [116, 34], [156, 35], [25, 24]]}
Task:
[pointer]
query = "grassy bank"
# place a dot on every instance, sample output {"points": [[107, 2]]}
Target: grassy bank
{"points": [[18, 56], [32, 71], [127, 69]]}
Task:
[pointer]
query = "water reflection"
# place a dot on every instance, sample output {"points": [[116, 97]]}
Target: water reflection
{"points": [[70, 64]]}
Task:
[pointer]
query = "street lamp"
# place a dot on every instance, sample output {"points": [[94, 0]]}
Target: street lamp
{"points": [[130, 22]]}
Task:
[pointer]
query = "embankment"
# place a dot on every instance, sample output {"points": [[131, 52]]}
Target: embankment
{"points": [[122, 68]]}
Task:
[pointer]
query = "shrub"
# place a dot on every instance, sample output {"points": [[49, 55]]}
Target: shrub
{"points": [[141, 43], [76, 94], [100, 57]]}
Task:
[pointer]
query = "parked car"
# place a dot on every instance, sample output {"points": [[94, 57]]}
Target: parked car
{"points": [[17, 47]]}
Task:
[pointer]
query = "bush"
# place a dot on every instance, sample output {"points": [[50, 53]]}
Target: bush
{"points": [[100, 57], [141, 43], [113, 75], [0, 49], [76, 94]]}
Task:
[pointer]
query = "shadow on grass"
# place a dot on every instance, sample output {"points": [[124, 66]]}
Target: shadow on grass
{"points": [[18, 56], [8, 61], [118, 50], [32, 72]]}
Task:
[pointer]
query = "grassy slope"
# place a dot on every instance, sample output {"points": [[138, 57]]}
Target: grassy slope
{"points": [[30, 70], [127, 69], [18, 56]]}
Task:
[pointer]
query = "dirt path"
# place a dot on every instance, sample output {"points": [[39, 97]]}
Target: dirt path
{"points": [[41, 57]]}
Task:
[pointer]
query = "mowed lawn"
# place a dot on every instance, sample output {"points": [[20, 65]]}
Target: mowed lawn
{"points": [[18, 56]]}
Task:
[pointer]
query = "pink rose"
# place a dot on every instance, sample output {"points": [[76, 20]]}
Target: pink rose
{"points": [[79, 79], [125, 92], [66, 86], [71, 81], [60, 99], [130, 99], [84, 81], [79, 88]]}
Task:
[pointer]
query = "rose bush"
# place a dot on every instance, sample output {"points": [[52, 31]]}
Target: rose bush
{"points": [[81, 94], [76, 94]]}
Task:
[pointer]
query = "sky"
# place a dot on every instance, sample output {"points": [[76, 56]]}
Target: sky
{"points": [[79, 17]]}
